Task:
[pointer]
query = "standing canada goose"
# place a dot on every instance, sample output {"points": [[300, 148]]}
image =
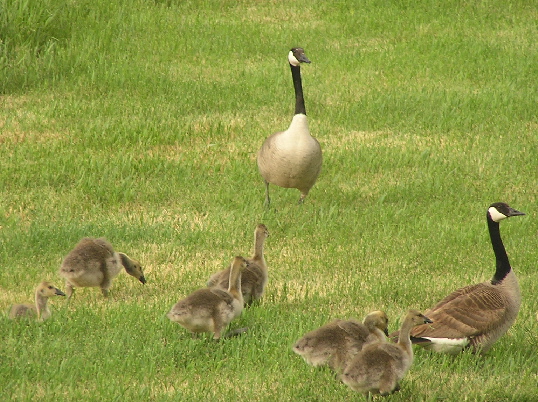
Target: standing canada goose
{"points": [[379, 366], [477, 315], [40, 310], [210, 309], [339, 341], [93, 262], [254, 277], [292, 158]]}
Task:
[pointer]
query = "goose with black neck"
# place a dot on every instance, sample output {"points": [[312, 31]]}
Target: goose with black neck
{"points": [[476, 316], [292, 158]]}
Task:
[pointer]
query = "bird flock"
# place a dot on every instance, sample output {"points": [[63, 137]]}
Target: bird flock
{"points": [[363, 355]]}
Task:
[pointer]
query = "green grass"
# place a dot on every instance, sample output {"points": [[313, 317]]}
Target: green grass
{"points": [[140, 121]]}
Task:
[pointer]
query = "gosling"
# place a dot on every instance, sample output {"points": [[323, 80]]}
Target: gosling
{"points": [[337, 342], [378, 367], [210, 309], [41, 309], [94, 263], [254, 278]]}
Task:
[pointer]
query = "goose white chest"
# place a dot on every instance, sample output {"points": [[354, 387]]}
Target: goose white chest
{"points": [[292, 158]]}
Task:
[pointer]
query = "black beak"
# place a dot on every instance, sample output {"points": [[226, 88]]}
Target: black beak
{"points": [[303, 59], [515, 212], [59, 292], [427, 320], [142, 279], [386, 331]]}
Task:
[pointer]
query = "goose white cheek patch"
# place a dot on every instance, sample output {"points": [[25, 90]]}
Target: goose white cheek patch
{"points": [[292, 59], [495, 214]]}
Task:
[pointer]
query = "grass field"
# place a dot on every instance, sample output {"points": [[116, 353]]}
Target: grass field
{"points": [[140, 121]]}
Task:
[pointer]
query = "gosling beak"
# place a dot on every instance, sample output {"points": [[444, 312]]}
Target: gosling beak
{"points": [[427, 320], [142, 279], [58, 292], [386, 332]]}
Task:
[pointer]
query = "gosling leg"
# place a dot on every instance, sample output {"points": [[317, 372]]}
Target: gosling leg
{"points": [[69, 289], [303, 196]]}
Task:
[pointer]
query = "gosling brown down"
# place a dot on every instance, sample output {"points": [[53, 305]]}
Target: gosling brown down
{"points": [[94, 263], [254, 278], [40, 309], [379, 366], [211, 309], [338, 341]]}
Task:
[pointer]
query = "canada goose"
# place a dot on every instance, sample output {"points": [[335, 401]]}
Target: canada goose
{"points": [[292, 158], [210, 309], [40, 310], [477, 315], [338, 341], [93, 262], [379, 366], [254, 278]]}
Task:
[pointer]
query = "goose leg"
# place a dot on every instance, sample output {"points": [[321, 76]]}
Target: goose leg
{"points": [[267, 199]]}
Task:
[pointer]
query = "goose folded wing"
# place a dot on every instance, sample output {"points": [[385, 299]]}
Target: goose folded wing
{"points": [[464, 313], [455, 295]]}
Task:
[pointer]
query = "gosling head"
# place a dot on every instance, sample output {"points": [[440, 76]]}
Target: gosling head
{"points": [[377, 319], [500, 210], [133, 267], [417, 318], [296, 56], [261, 228], [47, 289], [240, 262]]}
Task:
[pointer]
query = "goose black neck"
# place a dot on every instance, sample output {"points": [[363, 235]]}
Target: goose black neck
{"points": [[503, 265], [297, 84]]}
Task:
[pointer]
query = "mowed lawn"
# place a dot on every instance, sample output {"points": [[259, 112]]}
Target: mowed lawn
{"points": [[140, 121]]}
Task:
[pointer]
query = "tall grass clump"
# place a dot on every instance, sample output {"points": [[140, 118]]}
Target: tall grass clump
{"points": [[30, 34]]}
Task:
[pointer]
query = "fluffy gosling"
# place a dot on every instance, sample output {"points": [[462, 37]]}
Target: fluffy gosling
{"points": [[254, 278], [211, 309], [378, 367], [94, 263], [337, 342], [40, 309]]}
